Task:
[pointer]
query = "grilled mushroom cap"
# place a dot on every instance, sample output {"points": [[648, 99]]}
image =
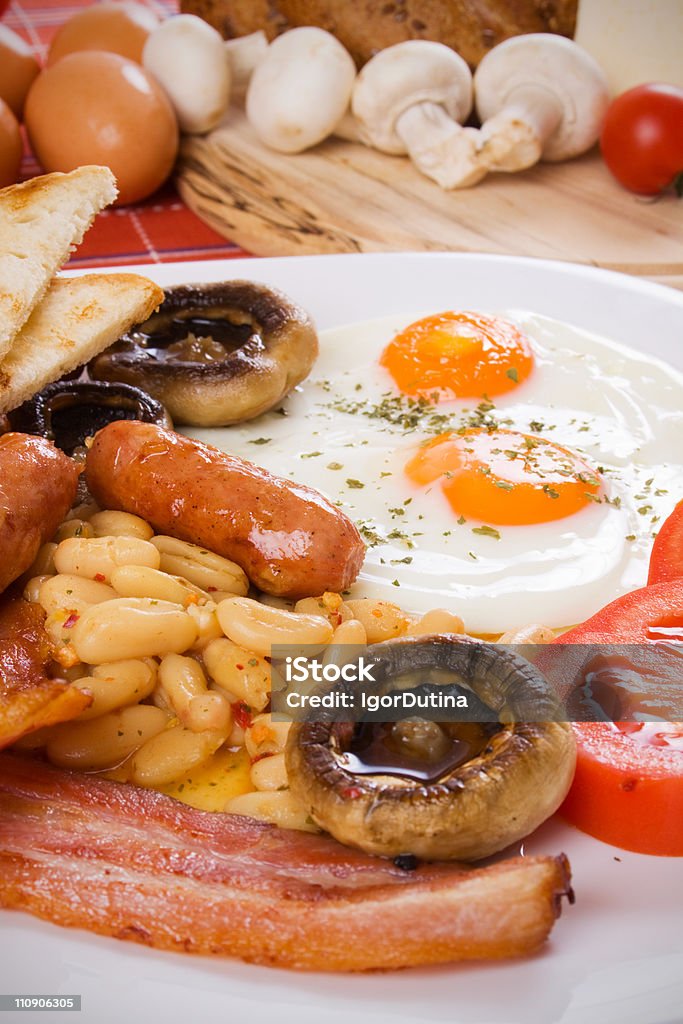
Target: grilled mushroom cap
{"points": [[517, 777], [215, 354], [69, 411]]}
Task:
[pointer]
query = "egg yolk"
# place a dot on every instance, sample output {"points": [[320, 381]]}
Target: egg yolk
{"points": [[505, 477], [458, 355]]}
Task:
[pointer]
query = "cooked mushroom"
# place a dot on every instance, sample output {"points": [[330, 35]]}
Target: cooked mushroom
{"points": [[539, 96], [410, 98], [300, 92], [187, 57], [215, 354], [439, 790], [69, 411]]}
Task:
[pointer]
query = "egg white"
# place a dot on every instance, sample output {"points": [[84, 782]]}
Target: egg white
{"points": [[618, 408]]}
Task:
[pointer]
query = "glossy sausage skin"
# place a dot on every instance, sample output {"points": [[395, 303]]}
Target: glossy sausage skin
{"points": [[288, 538], [37, 488]]}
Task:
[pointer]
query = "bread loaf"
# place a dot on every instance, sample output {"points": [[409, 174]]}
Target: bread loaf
{"points": [[472, 27]]}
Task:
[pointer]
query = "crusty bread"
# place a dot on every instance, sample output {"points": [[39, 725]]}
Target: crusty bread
{"points": [[41, 221], [77, 319], [472, 27]]}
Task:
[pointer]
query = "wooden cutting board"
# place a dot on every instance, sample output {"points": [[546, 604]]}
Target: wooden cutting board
{"points": [[343, 197]]}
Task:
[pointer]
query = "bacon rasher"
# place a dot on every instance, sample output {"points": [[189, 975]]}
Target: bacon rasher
{"points": [[29, 699], [134, 864]]}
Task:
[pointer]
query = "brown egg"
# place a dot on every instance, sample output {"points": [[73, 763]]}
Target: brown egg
{"points": [[117, 27], [18, 68], [10, 146], [99, 108]]}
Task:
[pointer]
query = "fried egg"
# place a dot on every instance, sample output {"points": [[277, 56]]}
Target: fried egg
{"points": [[508, 467]]}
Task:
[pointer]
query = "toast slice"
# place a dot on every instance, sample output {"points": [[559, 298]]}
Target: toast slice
{"points": [[41, 221], [77, 319]]}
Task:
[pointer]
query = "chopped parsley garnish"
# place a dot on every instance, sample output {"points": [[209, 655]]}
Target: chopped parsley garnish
{"points": [[486, 531]]}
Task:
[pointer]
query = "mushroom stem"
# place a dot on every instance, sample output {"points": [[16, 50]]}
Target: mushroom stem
{"points": [[439, 146], [515, 138], [244, 54]]}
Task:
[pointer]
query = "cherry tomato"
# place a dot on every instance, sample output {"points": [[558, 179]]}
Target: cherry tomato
{"points": [[642, 138]]}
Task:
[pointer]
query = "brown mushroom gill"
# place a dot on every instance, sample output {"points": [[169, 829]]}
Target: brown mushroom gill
{"points": [[68, 412], [439, 790], [215, 354]]}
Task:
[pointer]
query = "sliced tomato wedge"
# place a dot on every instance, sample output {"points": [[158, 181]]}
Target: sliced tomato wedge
{"points": [[627, 792], [651, 613], [666, 560], [628, 787]]}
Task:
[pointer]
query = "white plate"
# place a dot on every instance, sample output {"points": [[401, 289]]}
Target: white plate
{"points": [[617, 956]]}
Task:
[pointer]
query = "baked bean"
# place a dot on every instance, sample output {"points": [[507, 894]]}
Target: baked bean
{"points": [[132, 627], [264, 736], [84, 510], [279, 808], [331, 606], [59, 626], [185, 687], [270, 773], [206, 620], [44, 562], [236, 737], [243, 674], [105, 741], [74, 528], [347, 645], [74, 593], [120, 524], [172, 753], [204, 568], [383, 620], [257, 627], [436, 621], [97, 557], [117, 684], [32, 587], [531, 634], [141, 581]]}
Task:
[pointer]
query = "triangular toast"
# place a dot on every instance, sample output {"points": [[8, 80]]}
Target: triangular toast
{"points": [[78, 318], [41, 221]]}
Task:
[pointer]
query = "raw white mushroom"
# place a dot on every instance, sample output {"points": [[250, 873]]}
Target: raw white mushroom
{"points": [[187, 58], [299, 93], [539, 96], [410, 98], [244, 54]]}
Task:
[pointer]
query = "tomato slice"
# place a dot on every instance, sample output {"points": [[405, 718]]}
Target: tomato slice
{"points": [[666, 560], [638, 617], [628, 787], [625, 792]]}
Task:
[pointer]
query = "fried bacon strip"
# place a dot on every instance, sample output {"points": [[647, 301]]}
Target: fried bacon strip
{"points": [[134, 864], [29, 699]]}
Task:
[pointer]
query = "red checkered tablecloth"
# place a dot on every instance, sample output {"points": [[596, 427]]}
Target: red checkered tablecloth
{"points": [[159, 230]]}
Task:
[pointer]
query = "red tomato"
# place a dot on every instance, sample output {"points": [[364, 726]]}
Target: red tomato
{"points": [[628, 787], [666, 560], [642, 138], [651, 613]]}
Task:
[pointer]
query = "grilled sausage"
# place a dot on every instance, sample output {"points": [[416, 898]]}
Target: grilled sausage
{"points": [[37, 488], [288, 538]]}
